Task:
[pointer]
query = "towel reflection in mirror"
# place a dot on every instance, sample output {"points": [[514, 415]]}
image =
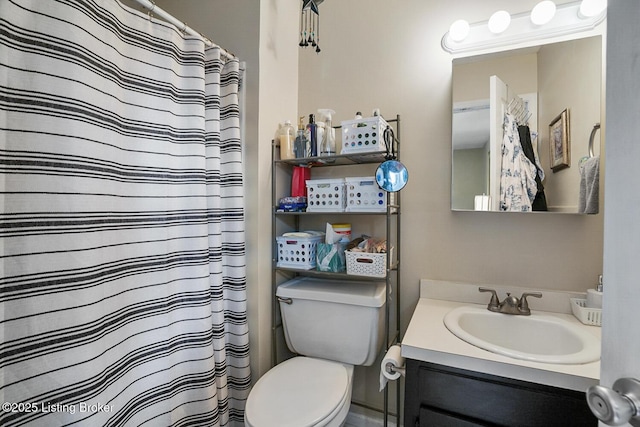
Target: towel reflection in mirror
{"points": [[588, 200]]}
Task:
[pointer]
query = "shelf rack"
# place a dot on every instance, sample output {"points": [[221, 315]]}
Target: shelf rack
{"points": [[391, 215]]}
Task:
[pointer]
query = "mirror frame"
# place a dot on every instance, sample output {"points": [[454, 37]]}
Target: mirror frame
{"points": [[542, 130]]}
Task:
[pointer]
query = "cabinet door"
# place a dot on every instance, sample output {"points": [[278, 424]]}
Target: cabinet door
{"points": [[490, 400]]}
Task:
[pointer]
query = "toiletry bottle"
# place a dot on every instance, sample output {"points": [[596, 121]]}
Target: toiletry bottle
{"points": [[320, 131], [286, 138], [312, 136], [594, 296], [328, 141], [301, 144]]}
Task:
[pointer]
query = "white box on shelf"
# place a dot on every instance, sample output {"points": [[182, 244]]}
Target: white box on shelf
{"points": [[364, 195], [366, 263], [363, 135], [325, 195], [297, 252]]}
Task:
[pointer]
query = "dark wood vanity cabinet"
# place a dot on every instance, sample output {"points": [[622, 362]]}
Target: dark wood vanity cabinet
{"points": [[440, 396]]}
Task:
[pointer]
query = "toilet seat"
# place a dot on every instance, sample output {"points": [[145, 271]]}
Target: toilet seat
{"points": [[300, 392]]}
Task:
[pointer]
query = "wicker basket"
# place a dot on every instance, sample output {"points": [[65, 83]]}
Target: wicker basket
{"points": [[588, 316]]}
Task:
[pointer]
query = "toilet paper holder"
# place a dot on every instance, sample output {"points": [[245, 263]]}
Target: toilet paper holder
{"points": [[392, 369], [392, 366]]}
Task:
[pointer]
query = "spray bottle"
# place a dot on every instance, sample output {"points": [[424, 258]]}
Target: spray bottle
{"points": [[300, 146], [328, 143]]}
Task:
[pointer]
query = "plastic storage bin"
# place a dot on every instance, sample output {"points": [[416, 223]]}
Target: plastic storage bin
{"points": [[325, 195], [363, 135], [588, 316], [364, 195], [366, 264], [297, 252]]}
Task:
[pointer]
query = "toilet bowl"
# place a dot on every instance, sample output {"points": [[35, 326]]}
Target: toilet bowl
{"points": [[301, 392], [332, 326]]}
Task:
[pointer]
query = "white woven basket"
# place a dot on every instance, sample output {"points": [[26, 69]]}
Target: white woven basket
{"points": [[588, 316], [367, 264]]}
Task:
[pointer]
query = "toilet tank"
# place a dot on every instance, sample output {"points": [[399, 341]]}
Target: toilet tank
{"points": [[341, 321]]}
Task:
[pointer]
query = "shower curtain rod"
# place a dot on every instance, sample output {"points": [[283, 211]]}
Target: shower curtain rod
{"points": [[148, 4]]}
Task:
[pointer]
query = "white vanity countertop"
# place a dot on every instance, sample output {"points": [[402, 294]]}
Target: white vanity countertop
{"points": [[427, 339]]}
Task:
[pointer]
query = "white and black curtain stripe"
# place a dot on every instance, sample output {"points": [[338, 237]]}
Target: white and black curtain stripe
{"points": [[122, 243]]}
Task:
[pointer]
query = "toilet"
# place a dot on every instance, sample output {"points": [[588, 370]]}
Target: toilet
{"points": [[332, 326]]}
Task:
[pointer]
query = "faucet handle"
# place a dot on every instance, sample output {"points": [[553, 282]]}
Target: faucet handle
{"points": [[523, 306], [494, 304]]}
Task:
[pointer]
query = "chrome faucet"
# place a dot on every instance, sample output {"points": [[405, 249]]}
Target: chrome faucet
{"points": [[511, 304]]}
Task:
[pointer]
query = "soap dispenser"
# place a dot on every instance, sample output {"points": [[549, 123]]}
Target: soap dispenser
{"points": [[312, 136], [301, 144], [594, 296]]}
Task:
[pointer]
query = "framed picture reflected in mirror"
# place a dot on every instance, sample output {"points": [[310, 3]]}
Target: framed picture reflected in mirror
{"points": [[560, 142]]}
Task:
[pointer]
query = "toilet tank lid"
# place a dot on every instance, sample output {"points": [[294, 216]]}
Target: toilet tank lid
{"points": [[369, 294]]}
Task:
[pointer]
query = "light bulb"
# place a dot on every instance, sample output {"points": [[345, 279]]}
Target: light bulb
{"points": [[459, 30], [543, 12], [499, 21], [590, 8]]}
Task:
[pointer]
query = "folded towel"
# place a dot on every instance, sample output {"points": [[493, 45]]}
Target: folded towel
{"points": [[588, 201]]}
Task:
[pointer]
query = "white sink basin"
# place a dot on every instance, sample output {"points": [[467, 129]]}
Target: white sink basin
{"points": [[537, 338]]}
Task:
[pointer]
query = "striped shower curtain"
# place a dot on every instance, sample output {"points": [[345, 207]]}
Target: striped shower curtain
{"points": [[122, 265]]}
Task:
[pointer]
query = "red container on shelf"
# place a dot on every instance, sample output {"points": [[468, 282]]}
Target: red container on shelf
{"points": [[298, 181]]}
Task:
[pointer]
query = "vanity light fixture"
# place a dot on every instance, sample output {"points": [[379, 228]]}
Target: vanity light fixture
{"points": [[589, 8], [499, 22], [459, 30], [527, 29], [543, 12]]}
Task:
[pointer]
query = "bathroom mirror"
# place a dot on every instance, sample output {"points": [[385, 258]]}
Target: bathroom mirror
{"points": [[560, 85]]}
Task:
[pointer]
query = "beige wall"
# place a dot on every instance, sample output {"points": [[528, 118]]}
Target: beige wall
{"points": [[472, 76], [390, 58], [471, 176], [387, 55], [570, 76]]}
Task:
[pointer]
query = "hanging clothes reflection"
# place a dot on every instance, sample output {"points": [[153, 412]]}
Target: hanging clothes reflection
{"points": [[521, 177]]}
